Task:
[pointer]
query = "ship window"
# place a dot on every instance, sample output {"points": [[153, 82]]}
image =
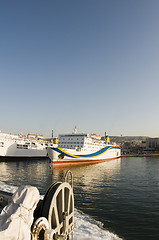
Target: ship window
{"points": [[22, 146]]}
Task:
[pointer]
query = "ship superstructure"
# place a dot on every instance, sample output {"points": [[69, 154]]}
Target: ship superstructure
{"points": [[81, 142]]}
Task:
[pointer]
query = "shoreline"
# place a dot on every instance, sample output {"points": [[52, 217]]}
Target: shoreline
{"points": [[141, 155]]}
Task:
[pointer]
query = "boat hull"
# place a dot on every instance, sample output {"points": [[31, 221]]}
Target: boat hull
{"points": [[73, 157], [10, 152]]}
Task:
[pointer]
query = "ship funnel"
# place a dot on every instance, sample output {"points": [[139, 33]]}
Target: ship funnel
{"points": [[107, 139], [55, 141]]}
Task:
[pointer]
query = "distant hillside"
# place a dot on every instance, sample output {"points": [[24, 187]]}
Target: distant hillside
{"points": [[126, 138]]}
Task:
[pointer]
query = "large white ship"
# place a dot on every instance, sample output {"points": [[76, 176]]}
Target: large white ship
{"points": [[82, 148], [18, 147]]}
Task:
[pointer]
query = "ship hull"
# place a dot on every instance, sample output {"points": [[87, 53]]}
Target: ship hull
{"points": [[73, 157], [10, 152]]}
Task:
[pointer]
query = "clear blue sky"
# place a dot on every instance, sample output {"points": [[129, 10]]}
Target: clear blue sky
{"points": [[90, 63]]}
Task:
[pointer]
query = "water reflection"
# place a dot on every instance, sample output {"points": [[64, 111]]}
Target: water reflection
{"points": [[40, 174], [37, 173], [91, 175], [93, 185]]}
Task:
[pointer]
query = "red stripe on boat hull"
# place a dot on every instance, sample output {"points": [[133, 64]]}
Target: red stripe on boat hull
{"points": [[79, 162]]}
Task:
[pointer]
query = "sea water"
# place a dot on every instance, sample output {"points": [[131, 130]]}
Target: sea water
{"points": [[118, 199]]}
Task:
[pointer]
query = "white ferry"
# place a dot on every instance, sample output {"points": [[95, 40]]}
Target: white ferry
{"points": [[17, 147], [81, 149]]}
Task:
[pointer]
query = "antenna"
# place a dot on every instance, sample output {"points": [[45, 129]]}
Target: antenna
{"points": [[75, 129]]}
